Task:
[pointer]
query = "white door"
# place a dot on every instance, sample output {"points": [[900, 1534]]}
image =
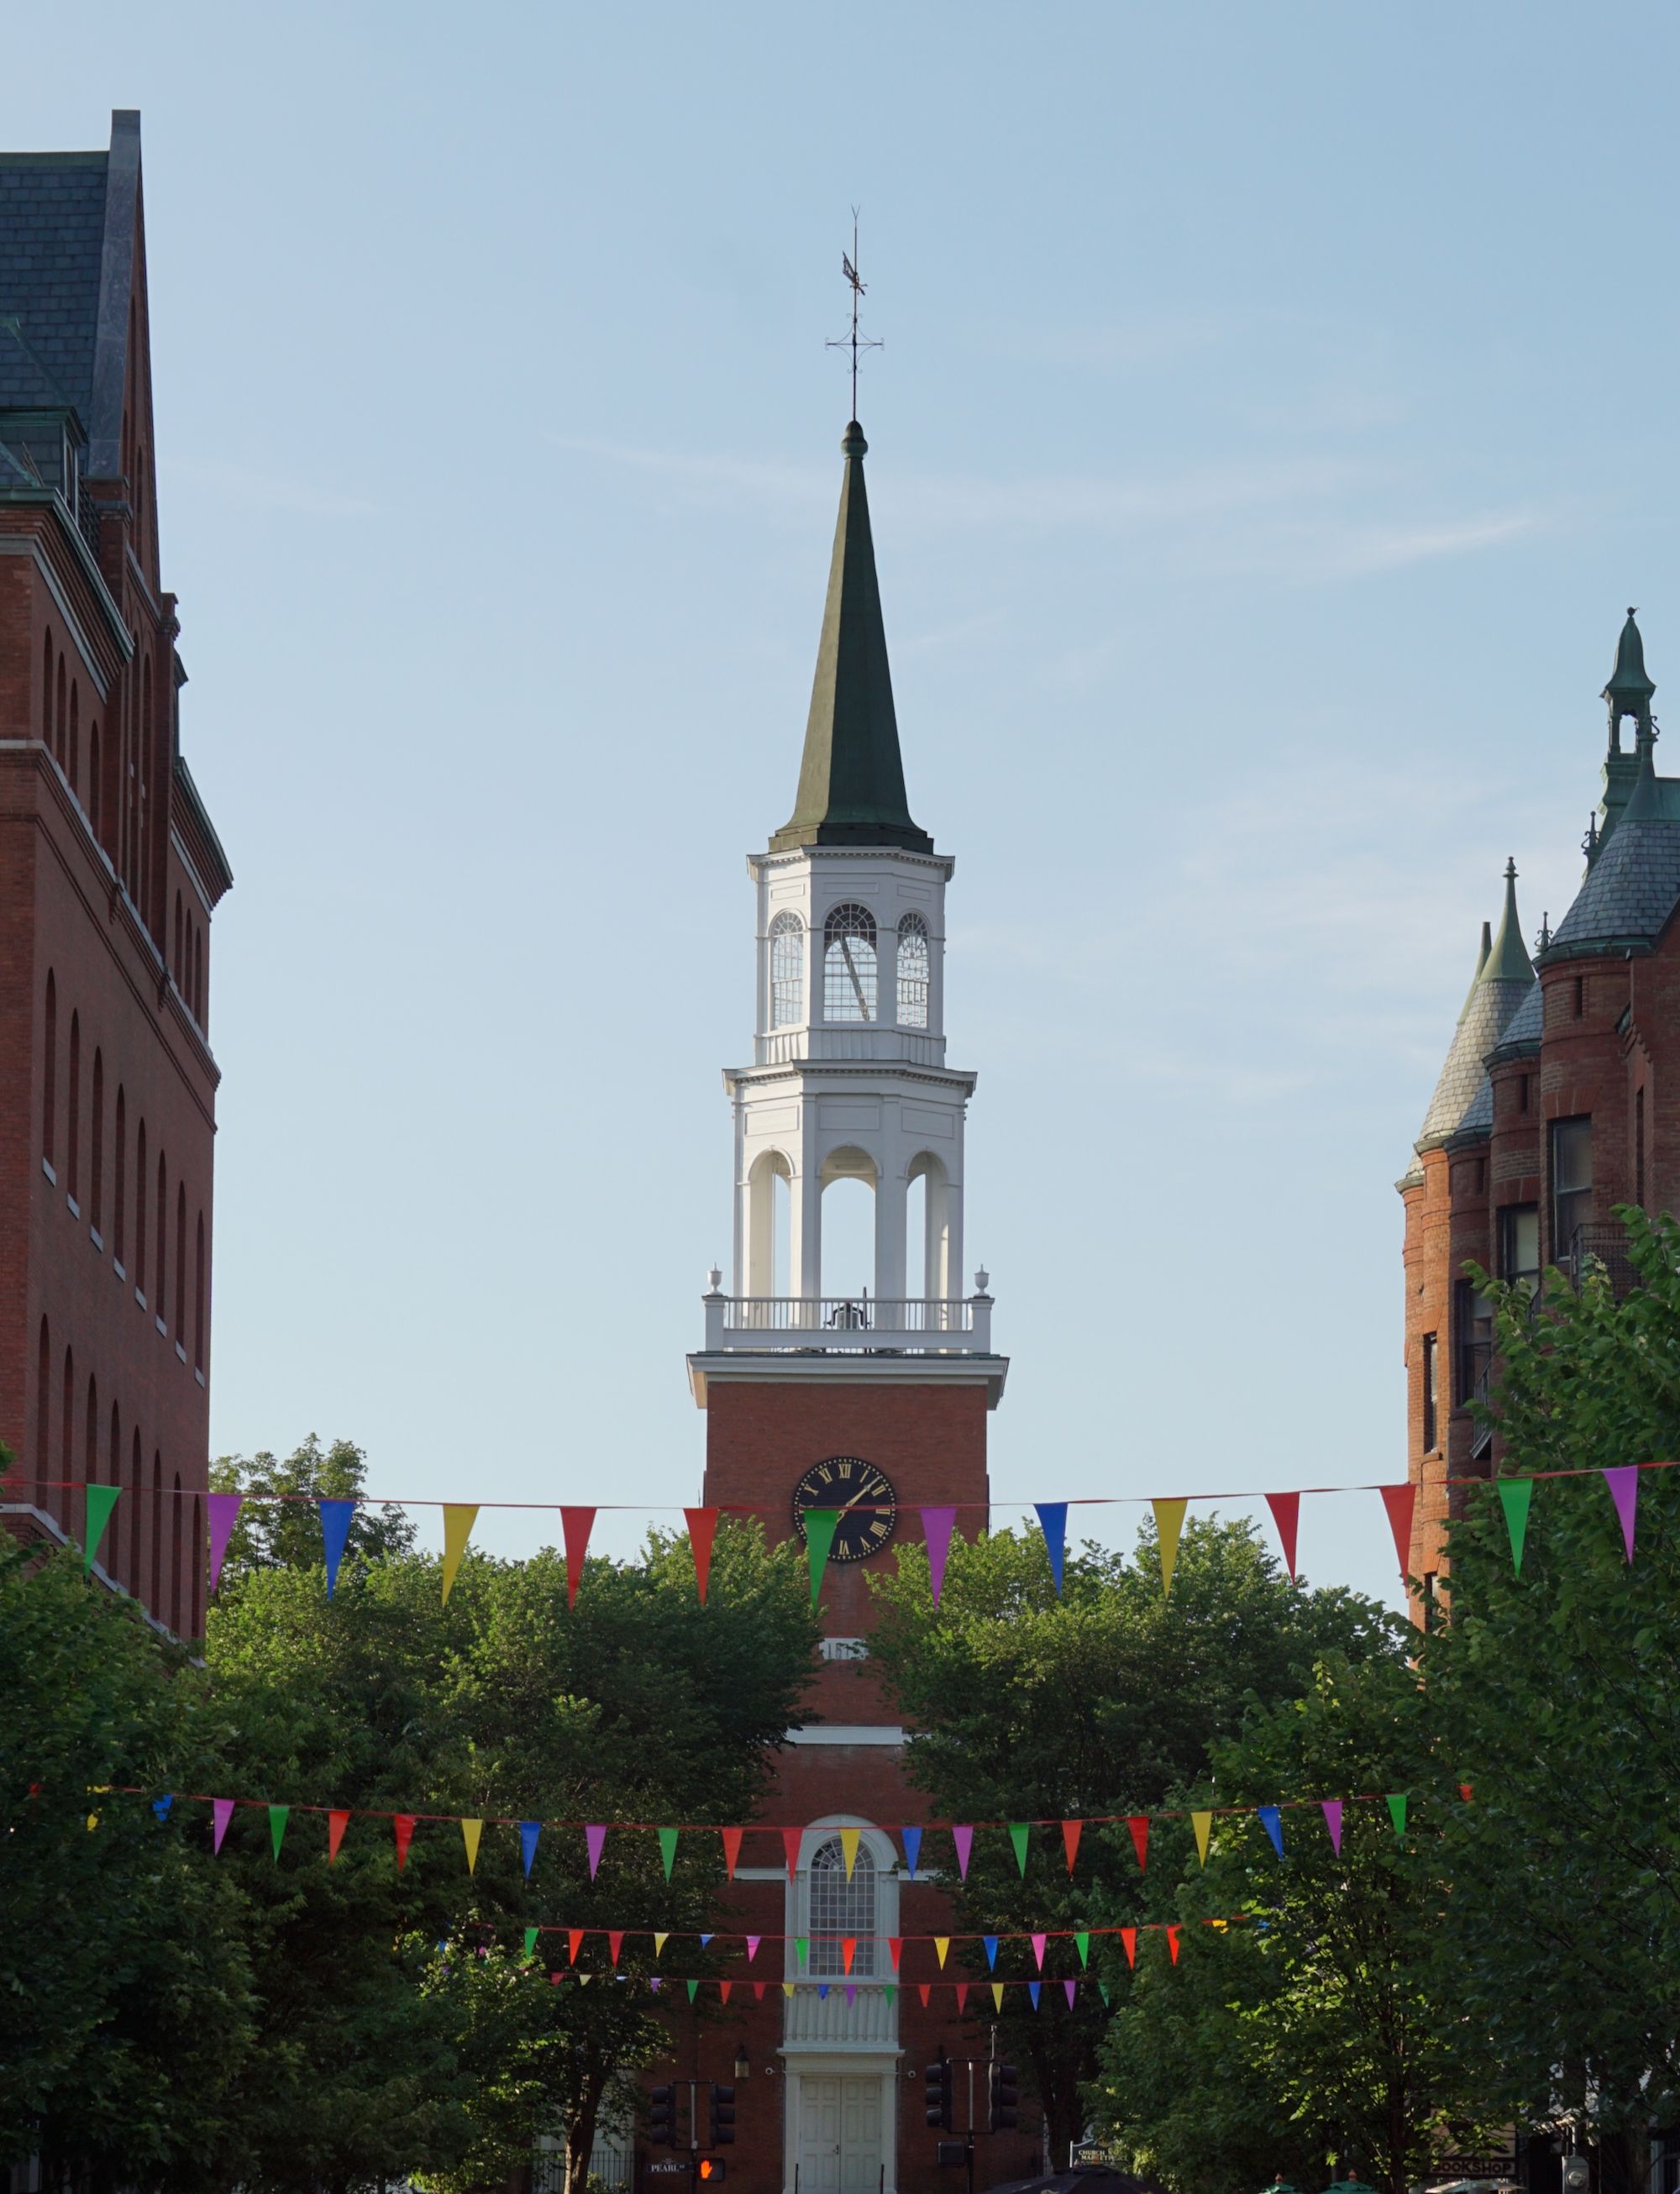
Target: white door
{"points": [[840, 2136]]}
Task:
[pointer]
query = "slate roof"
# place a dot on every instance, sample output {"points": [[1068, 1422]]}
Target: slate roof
{"points": [[1493, 1001], [52, 239], [1479, 1113], [1632, 888], [1525, 1024]]}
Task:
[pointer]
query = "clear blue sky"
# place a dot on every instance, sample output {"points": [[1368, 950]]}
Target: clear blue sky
{"points": [[1276, 417]]}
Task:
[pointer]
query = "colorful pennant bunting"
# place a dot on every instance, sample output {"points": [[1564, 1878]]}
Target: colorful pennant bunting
{"points": [[1516, 1497], [937, 1524], [1286, 1510], [1169, 1524], [458, 1519], [702, 1531], [336, 1519], [1400, 1501], [819, 1528], [102, 1499], [224, 1512], [1053, 1523], [575, 1524], [1624, 1484]]}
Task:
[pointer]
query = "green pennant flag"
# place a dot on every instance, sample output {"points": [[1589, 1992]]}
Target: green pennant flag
{"points": [[1103, 1990], [1082, 1944], [667, 1849], [1018, 1838], [694, 1991], [102, 1499], [530, 1945], [801, 1944], [889, 1991], [1515, 1495], [1397, 1812], [819, 1528], [278, 1817]]}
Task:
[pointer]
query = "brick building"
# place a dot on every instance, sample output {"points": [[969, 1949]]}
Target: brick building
{"points": [[874, 1400], [109, 873], [1559, 1098]]}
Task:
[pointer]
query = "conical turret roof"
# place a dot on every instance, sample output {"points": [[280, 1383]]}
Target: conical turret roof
{"points": [[1504, 978], [851, 779], [1628, 682]]}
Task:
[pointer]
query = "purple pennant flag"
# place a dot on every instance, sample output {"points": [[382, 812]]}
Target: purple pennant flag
{"points": [[1624, 1484], [1053, 1523], [528, 1833], [1333, 1821], [851, 1993], [1032, 1988], [336, 1517], [594, 1836], [752, 1943], [913, 1849], [963, 1839], [653, 1981], [224, 1513], [937, 1525], [222, 1808], [1068, 1987], [1272, 1821]]}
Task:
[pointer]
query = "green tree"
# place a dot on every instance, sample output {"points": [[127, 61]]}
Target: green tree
{"points": [[280, 1526], [1558, 1696], [1029, 1705]]}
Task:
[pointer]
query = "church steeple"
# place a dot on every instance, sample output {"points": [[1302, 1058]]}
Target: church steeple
{"points": [[851, 779], [1630, 690]]}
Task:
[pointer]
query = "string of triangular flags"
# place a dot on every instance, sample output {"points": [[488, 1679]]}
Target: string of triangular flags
{"points": [[962, 1833], [939, 1522]]}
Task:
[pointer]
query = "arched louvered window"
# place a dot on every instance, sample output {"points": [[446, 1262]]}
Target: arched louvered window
{"points": [[848, 964], [913, 971], [840, 1908], [787, 971]]}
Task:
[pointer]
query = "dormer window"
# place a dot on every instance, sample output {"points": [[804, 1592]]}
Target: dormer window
{"points": [[787, 972], [913, 971], [848, 964]]}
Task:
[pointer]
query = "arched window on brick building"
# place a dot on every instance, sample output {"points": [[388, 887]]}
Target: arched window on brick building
{"points": [[157, 1591], [49, 1070], [136, 1512], [159, 1296], [95, 789], [90, 1451], [46, 692], [195, 1556], [61, 710], [96, 1153], [61, 1507], [72, 1153], [118, 1202], [121, 1528], [75, 740], [140, 1211], [181, 1264], [175, 1560], [43, 1418], [199, 1300]]}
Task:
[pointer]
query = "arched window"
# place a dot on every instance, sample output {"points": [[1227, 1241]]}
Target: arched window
{"points": [[136, 1514], [90, 1453], [60, 713], [198, 1301], [195, 1556], [47, 693], [44, 1415], [96, 1155], [140, 1211], [119, 1200], [61, 1507], [180, 1262], [913, 971], [75, 740], [159, 1293], [848, 964], [840, 1908], [175, 1560], [49, 1070], [114, 1561], [787, 972], [178, 965], [73, 1139], [94, 787], [155, 1595]]}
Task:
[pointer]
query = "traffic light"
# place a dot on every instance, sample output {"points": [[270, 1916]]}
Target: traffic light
{"points": [[661, 2117], [723, 2118], [937, 2094], [711, 2167], [1003, 2097], [1577, 2174]]}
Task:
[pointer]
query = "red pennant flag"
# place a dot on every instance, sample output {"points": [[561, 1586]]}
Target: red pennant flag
{"points": [[1172, 1942], [1139, 1825], [1467, 1792], [758, 1992], [702, 1531], [1070, 1839], [335, 1825], [790, 1838], [577, 1524], [1286, 1510], [1400, 1501], [924, 1990], [848, 1951], [895, 1945], [574, 1943], [403, 1823], [962, 1996], [1128, 1937], [732, 1848], [615, 1937], [723, 1989]]}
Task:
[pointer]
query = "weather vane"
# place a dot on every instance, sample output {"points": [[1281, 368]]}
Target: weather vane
{"points": [[854, 342]]}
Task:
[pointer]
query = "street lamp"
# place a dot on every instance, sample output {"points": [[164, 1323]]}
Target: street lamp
{"points": [[742, 2067]]}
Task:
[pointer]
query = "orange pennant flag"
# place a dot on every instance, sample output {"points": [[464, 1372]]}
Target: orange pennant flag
{"points": [[723, 1989], [574, 1943], [335, 1825], [1139, 1825], [1128, 1937], [1172, 1942], [702, 1531], [1400, 1501], [848, 1951], [732, 1848], [790, 1842], [403, 1826], [1070, 1838]]}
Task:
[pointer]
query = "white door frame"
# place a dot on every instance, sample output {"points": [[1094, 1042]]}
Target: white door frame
{"points": [[802, 2068]]}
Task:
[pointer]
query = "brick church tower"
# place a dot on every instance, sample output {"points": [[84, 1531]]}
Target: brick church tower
{"points": [[109, 873], [1559, 1098], [874, 1402]]}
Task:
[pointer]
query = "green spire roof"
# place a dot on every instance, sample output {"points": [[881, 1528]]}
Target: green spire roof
{"points": [[1508, 962], [1628, 682], [851, 780]]}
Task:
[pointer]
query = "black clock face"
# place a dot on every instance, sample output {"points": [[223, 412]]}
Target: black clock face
{"points": [[863, 1495]]}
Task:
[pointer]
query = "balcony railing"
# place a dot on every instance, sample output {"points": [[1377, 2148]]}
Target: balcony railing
{"points": [[1603, 1247], [880, 1324]]}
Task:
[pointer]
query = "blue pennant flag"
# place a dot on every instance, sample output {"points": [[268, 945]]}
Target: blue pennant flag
{"points": [[705, 1939], [336, 1517], [1053, 1523], [160, 1806], [1272, 1821], [822, 1992], [991, 1942], [528, 1833], [1032, 1988]]}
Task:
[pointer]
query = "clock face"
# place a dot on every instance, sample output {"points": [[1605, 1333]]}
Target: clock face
{"points": [[863, 1495]]}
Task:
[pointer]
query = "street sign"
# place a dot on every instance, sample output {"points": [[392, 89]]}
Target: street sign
{"points": [[667, 2167], [1089, 2153]]}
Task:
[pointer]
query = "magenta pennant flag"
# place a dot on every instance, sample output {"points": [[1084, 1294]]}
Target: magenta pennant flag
{"points": [[1038, 1951], [1333, 1821], [1624, 1484], [224, 1513], [594, 1835], [222, 1808], [963, 1839], [937, 1525]]}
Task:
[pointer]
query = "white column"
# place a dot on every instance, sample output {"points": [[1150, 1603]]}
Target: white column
{"points": [[892, 1195], [805, 1248]]}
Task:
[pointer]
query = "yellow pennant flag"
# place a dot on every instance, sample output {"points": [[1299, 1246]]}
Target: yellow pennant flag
{"points": [[659, 1941], [997, 1994], [1203, 1824], [941, 1943], [93, 1820], [582, 1980], [458, 1519], [787, 1988], [849, 1849], [1168, 1523], [470, 1832]]}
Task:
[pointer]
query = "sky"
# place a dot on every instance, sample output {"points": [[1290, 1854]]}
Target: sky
{"points": [[1275, 420]]}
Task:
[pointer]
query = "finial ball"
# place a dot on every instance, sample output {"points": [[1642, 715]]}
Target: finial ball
{"points": [[852, 443]]}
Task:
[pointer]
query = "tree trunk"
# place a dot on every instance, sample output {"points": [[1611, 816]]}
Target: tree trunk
{"points": [[580, 2136]]}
